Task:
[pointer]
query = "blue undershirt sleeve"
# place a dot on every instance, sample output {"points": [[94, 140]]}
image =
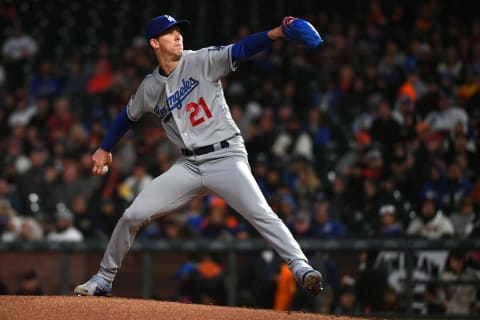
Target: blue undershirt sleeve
{"points": [[120, 125], [250, 45]]}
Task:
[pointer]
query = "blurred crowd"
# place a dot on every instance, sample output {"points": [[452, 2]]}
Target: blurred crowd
{"points": [[376, 134]]}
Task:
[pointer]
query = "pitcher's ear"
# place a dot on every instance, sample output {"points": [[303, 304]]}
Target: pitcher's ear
{"points": [[153, 43]]}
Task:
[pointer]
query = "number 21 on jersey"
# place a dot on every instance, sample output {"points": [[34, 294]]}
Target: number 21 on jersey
{"points": [[198, 112]]}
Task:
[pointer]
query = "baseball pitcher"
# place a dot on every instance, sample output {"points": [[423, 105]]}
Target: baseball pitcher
{"points": [[185, 93]]}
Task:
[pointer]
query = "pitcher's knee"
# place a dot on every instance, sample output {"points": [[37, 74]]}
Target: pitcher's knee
{"points": [[262, 214], [132, 218]]}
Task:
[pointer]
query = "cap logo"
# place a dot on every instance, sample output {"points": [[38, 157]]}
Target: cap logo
{"points": [[161, 23]]}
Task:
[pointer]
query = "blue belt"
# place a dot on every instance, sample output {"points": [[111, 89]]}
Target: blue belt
{"points": [[207, 149]]}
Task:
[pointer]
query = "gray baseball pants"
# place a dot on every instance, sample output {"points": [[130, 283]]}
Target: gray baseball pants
{"points": [[225, 172]]}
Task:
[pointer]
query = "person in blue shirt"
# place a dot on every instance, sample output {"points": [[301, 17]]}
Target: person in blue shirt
{"points": [[323, 224]]}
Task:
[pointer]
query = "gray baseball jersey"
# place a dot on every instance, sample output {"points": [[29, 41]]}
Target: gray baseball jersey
{"points": [[190, 101], [192, 107]]}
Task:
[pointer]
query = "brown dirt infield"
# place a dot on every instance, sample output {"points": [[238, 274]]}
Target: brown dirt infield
{"points": [[71, 307]]}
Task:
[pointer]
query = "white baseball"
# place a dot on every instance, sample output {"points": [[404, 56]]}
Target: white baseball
{"points": [[104, 169]]}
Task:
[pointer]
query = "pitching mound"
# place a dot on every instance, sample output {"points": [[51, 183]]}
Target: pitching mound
{"points": [[63, 307]]}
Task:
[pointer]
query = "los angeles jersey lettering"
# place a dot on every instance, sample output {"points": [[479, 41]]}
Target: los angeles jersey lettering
{"points": [[175, 100], [190, 101]]}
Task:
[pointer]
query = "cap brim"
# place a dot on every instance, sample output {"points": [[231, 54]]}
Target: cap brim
{"points": [[180, 23], [183, 23]]}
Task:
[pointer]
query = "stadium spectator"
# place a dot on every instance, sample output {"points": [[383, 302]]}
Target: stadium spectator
{"points": [[323, 224], [367, 203], [30, 230], [205, 283], [287, 206], [22, 114], [385, 129], [107, 217], [134, 183], [404, 106], [431, 223], [459, 299], [42, 112], [451, 65], [302, 225], [16, 160], [318, 128], [459, 186], [61, 120], [162, 158], [436, 185], [447, 116], [32, 182], [392, 302], [399, 173], [102, 78], [18, 51], [8, 194], [218, 223], [347, 301], [286, 289], [257, 279], [463, 217], [45, 82], [389, 225], [70, 183], [261, 132], [339, 199], [174, 229], [75, 82], [352, 162], [304, 181], [84, 218], [260, 170], [7, 221], [293, 141], [433, 303], [463, 152], [370, 282], [328, 301], [64, 229]]}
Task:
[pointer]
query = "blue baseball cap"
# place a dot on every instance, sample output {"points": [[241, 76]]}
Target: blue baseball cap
{"points": [[161, 23]]}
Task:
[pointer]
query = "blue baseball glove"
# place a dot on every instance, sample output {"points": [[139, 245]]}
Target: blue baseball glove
{"points": [[302, 31]]}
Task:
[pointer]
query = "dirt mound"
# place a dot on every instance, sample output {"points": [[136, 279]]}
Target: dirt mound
{"points": [[71, 307]]}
